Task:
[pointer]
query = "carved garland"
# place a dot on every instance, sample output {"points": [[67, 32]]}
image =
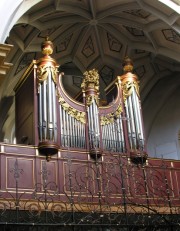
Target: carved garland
{"points": [[91, 98], [43, 71], [127, 88], [111, 117], [78, 115]]}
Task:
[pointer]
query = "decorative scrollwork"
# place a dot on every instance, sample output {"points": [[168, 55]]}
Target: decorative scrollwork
{"points": [[109, 118], [127, 88], [42, 74], [78, 115], [113, 193]]}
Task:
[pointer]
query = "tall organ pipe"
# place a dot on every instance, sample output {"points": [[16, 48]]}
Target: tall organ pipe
{"points": [[90, 87], [133, 113], [47, 101]]}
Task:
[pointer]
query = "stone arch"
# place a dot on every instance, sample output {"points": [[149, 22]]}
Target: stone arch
{"points": [[12, 11]]}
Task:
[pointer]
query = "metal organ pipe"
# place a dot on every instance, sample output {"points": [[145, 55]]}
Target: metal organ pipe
{"points": [[70, 131], [49, 103], [122, 134], [115, 135], [133, 121], [40, 113], [44, 110], [96, 123], [137, 118], [64, 128], [109, 135], [141, 136], [97, 119], [128, 124], [119, 145], [54, 113], [61, 125], [75, 132], [135, 106]]}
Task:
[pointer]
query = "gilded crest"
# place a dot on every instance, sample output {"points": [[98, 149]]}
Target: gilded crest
{"points": [[91, 80]]}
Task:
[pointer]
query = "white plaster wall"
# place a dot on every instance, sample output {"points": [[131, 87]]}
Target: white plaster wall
{"points": [[10, 12], [162, 119]]}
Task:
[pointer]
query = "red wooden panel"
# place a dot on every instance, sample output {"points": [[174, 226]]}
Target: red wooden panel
{"points": [[176, 164], [78, 177], [74, 154], [177, 182], [49, 171], [20, 170], [14, 149], [137, 185]]}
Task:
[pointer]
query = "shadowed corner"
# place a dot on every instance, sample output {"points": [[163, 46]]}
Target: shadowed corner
{"points": [[5, 104]]}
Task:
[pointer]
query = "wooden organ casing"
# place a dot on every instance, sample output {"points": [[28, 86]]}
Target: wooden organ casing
{"points": [[60, 122], [26, 108]]}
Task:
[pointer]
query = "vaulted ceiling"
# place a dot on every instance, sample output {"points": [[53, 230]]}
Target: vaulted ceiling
{"points": [[100, 33]]}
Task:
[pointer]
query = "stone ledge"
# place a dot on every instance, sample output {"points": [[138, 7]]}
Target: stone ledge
{"points": [[4, 66]]}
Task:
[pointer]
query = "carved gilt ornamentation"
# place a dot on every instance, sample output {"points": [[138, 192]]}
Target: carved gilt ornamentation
{"points": [[91, 80], [91, 83], [91, 98], [109, 118], [78, 115], [127, 88], [43, 72]]}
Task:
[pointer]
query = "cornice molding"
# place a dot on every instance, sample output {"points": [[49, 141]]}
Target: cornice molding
{"points": [[4, 66]]}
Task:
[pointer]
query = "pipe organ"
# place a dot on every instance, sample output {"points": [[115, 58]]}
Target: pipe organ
{"points": [[60, 122]]}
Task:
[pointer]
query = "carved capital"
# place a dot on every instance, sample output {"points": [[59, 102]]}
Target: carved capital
{"points": [[90, 81]]}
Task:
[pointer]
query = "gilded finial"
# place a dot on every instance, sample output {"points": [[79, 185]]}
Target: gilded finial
{"points": [[127, 64], [47, 47]]}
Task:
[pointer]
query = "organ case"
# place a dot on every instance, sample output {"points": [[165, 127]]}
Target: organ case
{"points": [[61, 122]]}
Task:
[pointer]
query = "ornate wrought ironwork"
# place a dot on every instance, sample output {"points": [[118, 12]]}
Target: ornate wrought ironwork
{"points": [[110, 194]]}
